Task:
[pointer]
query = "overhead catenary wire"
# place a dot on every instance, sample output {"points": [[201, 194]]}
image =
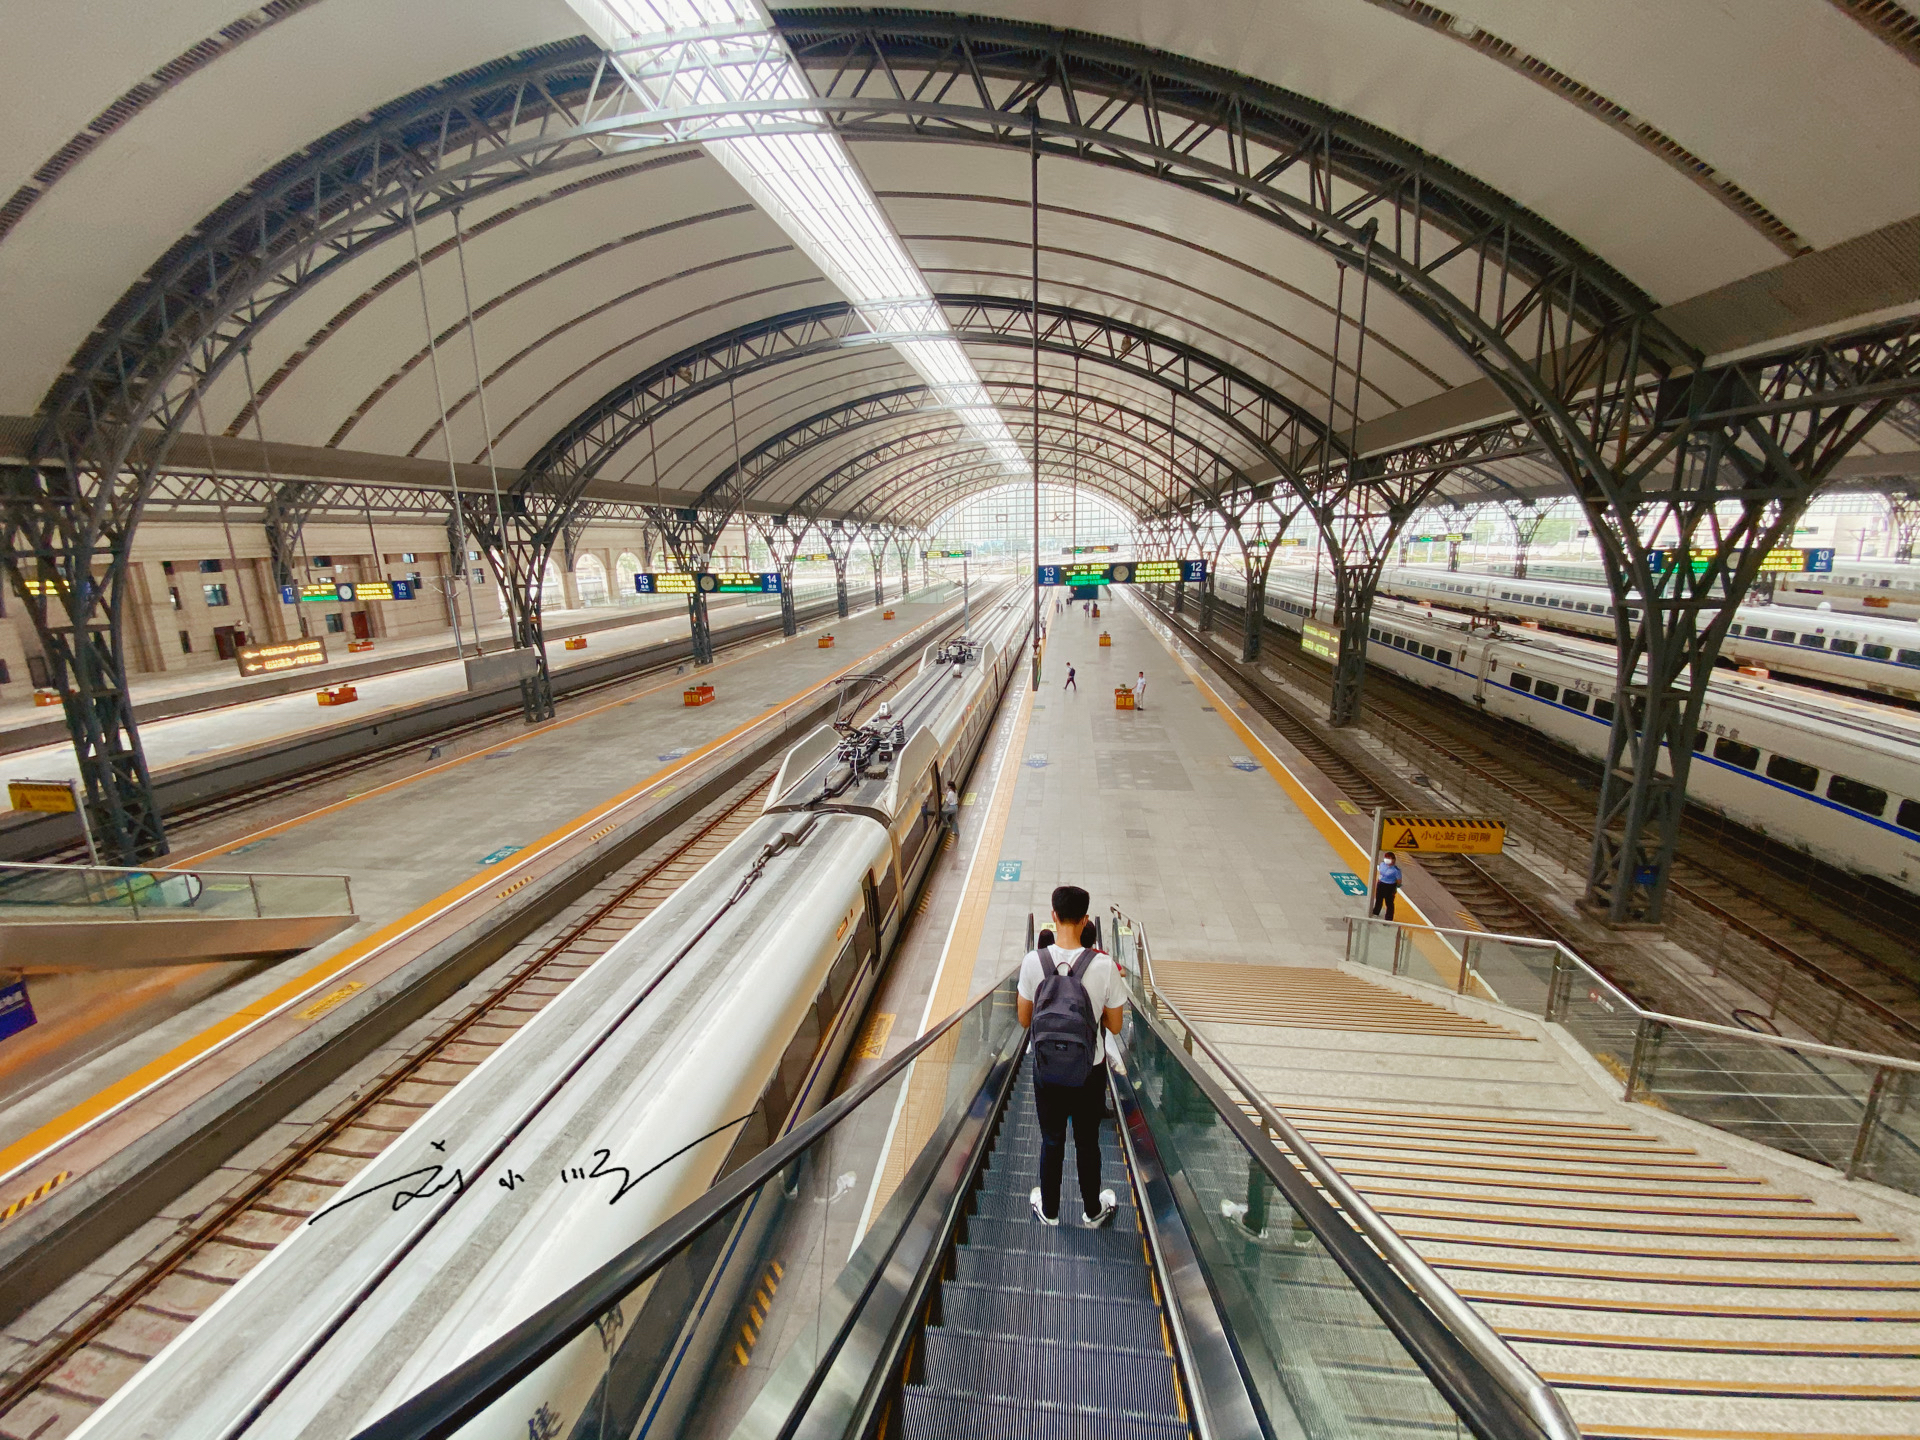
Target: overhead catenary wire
{"points": [[459, 536]]}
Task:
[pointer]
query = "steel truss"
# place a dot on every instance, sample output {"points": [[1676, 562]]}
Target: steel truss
{"points": [[1552, 326]]}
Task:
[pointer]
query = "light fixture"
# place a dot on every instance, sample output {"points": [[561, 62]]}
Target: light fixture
{"points": [[725, 55]]}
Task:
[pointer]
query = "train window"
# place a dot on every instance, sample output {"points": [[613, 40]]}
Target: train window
{"points": [[1581, 606], [1747, 757], [1814, 642], [1699, 742], [1373, 634], [1909, 816], [1877, 652], [1758, 632], [1633, 614], [1857, 795], [1522, 683], [1574, 700], [1908, 657], [1399, 642], [1506, 594], [1546, 689], [1787, 635], [1445, 657], [1846, 647], [1426, 652], [1796, 773], [1603, 710]]}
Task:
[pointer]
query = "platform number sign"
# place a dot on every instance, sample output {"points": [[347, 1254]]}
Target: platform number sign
{"points": [[1349, 883], [1007, 870]]}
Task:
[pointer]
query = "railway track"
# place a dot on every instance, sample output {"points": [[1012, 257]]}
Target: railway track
{"points": [[1839, 990], [76, 1372]]}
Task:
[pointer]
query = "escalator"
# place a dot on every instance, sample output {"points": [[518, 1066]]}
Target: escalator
{"points": [[876, 1273]]}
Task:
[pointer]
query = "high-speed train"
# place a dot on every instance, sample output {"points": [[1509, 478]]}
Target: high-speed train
{"points": [[1861, 651], [1880, 589], [1834, 776], [707, 1032]]}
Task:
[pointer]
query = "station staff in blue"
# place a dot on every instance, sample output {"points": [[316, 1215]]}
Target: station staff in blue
{"points": [[1386, 885]]}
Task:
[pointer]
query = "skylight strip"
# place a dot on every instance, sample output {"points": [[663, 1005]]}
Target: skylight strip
{"points": [[807, 184]]}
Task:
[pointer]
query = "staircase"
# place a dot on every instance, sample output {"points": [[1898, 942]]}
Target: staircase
{"points": [[1044, 1331], [1668, 1294]]}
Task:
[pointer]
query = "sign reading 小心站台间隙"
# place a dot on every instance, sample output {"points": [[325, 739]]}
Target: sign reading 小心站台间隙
{"points": [[1442, 834]]}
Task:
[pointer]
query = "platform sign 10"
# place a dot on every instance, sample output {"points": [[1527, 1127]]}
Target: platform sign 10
{"points": [[1320, 640], [1784, 560]]}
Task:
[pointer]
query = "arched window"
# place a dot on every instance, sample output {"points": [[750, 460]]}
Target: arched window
{"points": [[624, 569], [590, 578], [553, 595]]}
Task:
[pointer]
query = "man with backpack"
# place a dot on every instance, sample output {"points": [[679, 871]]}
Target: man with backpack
{"points": [[1070, 998]]}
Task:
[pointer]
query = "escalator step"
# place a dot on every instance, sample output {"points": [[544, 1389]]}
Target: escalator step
{"points": [[1047, 1273], [935, 1414], [1013, 1204], [1069, 1237], [1136, 1382], [1093, 1319]]}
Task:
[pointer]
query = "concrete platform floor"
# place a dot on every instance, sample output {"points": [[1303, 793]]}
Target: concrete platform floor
{"points": [[412, 843]]}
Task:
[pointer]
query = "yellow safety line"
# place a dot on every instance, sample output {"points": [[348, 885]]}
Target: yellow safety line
{"points": [[254, 837], [1345, 847], [97, 1107]]}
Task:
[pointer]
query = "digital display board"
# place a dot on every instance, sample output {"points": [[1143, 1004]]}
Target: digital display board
{"points": [[949, 554], [1781, 561], [1088, 549], [1435, 539], [1125, 572], [282, 655], [1320, 640], [375, 590], [815, 555], [34, 585], [662, 582], [325, 593], [707, 582], [1272, 544]]}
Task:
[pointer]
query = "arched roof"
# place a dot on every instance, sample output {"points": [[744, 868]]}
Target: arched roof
{"points": [[1680, 149]]}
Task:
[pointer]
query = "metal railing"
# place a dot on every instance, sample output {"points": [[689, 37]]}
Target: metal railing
{"points": [[1853, 1110], [44, 893], [1539, 1399]]}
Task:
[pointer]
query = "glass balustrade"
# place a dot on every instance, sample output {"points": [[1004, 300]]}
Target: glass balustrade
{"points": [[52, 893]]}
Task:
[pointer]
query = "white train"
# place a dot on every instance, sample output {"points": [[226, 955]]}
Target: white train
{"points": [[1834, 776], [1879, 589], [1864, 652], [711, 1029]]}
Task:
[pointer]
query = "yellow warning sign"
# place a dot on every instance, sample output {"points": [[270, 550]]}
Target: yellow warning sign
{"points": [[1443, 834]]}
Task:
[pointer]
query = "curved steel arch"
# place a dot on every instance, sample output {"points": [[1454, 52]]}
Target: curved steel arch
{"points": [[907, 487]]}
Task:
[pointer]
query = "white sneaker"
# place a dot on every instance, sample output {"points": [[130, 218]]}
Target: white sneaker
{"points": [[1105, 1217], [1038, 1213]]}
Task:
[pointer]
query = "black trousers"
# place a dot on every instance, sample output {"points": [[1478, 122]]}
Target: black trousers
{"points": [[1383, 894], [1084, 1105]]}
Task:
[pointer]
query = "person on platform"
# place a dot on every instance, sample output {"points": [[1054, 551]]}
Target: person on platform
{"points": [[1386, 885], [1070, 999], [1070, 685], [950, 810], [1140, 691]]}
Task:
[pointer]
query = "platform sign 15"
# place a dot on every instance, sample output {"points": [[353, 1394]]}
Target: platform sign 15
{"points": [[739, 582], [1320, 640], [1443, 834], [649, 582]]}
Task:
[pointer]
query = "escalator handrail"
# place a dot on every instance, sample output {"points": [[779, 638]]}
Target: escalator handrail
{"points": [[442, 1407], [1520, 1379]]}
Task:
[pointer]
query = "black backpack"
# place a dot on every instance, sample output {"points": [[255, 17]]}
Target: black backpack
{"points": [[1065, 1028]]}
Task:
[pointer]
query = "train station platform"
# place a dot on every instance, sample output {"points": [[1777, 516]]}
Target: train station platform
{"points": [[204, 712], [487, 844], [1672, 1279]]}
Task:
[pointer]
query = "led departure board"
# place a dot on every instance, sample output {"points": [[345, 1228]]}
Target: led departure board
{"points": [[1125, 572], [819, 555], [272, 659], [1781, 561], [1088, 549], [326, 593], [707, 582], [949, 554], [1321, 640], [375, 590]]}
